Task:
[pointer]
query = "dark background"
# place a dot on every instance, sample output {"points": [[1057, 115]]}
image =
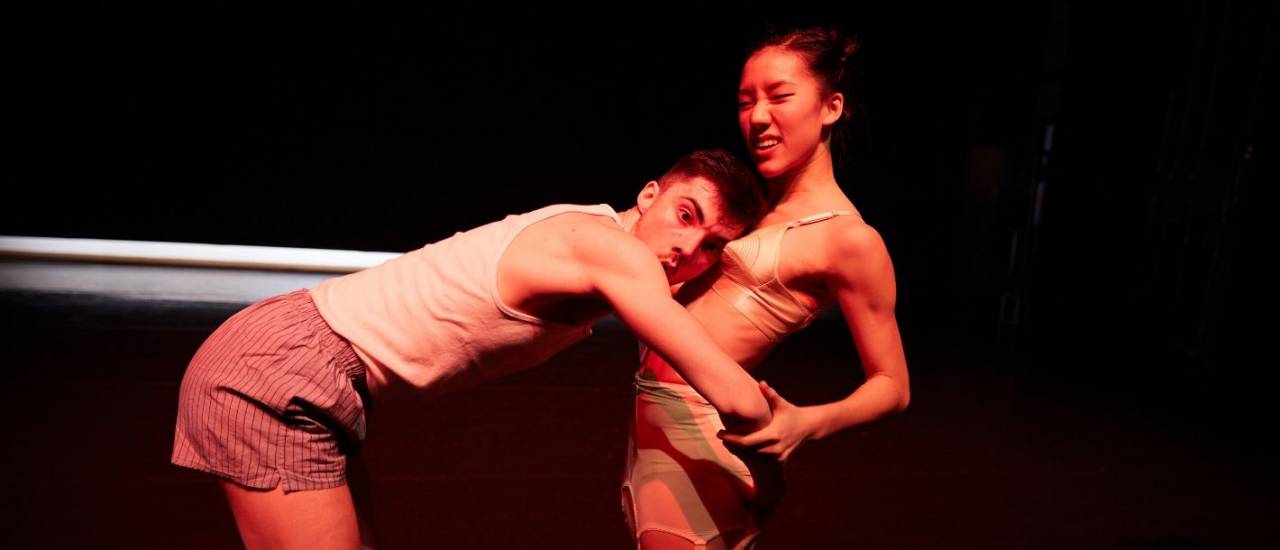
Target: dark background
{"points": [[1069, 191]]}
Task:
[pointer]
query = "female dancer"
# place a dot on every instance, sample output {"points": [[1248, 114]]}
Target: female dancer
{"points": [[684, 488]]}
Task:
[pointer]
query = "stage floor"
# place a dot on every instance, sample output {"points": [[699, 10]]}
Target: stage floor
{"points": [[993, 453]]}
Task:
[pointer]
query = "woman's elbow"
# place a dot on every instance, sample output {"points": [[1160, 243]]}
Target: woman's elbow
{"points": [[904, 396]]}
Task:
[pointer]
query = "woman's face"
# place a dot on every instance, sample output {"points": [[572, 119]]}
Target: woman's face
{"points": [[782, 111]]}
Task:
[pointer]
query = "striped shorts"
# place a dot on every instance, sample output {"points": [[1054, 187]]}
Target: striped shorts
{"points": [[273, 397]]}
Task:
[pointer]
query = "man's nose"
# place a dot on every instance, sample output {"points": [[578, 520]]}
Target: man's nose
{"points": [[688, 245]]}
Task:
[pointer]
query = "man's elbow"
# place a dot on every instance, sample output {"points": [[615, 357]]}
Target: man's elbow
{"points": [[746, 415]]}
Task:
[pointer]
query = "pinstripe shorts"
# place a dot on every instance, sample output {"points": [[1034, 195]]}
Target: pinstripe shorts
{"points": [[272, 397]]}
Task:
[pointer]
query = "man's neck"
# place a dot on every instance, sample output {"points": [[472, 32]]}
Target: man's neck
{"points": [[629, 218]]}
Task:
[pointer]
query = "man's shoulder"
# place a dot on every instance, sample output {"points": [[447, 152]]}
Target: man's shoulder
{"points": [[597, 241]]}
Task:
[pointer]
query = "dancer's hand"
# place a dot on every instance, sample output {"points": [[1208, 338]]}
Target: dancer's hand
{"points": [[788, 429]]}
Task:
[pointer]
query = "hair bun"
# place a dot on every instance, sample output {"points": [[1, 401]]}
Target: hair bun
{"points": [[849, 46]]}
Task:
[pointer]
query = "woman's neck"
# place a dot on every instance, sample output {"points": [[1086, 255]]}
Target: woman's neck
{"points": [[813, 181]]}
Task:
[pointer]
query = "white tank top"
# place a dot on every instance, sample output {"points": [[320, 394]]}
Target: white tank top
{"points": [[433, 316]]}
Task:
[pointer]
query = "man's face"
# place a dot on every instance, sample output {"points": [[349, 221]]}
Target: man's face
{"points": [[683, 226]]}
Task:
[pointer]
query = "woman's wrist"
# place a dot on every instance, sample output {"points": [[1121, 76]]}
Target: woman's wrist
{"points": [[813, 423]]}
